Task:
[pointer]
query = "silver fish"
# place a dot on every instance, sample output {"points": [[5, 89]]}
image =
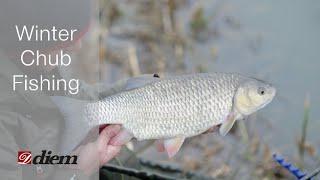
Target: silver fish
{"points": [[174, 108]]}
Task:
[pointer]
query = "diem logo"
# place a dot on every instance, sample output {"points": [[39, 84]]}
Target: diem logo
{"points": [[25, 157]]}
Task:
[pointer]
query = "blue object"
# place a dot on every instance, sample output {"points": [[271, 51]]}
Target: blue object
{"points": [[294, 170]]}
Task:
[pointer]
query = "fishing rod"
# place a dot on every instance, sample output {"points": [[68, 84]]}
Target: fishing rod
{"points": [[299, 174]]}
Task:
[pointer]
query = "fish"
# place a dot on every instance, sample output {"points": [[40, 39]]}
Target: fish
{"points": [[173, 108]]}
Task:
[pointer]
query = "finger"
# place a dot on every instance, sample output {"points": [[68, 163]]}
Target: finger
{"points": [[122, 138], [112, 151], [109, 132], [160, 145], [102, 127], [105, 136]]}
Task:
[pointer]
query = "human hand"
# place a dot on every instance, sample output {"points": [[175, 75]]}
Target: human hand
{"points": [[94, 154]]}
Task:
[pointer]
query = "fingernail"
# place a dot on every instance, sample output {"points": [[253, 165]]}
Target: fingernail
{"points": [[122, 138]]}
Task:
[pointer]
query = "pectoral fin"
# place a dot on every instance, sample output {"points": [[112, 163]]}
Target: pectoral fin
{"points": [[227, 124], [173, 145]]}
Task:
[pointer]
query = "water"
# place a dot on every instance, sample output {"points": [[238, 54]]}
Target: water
{"points": [[277, 41]]}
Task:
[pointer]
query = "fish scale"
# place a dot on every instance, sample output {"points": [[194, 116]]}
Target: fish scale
{"points": [[169, 107]]}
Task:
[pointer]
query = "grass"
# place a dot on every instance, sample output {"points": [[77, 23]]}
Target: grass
{"points": [[198, 21], [302, 140]]}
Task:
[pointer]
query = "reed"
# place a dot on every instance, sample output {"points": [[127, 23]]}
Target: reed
{"points": [[302, 140]]}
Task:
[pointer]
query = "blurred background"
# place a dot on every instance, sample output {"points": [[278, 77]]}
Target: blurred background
{"points": [[277, 41]]}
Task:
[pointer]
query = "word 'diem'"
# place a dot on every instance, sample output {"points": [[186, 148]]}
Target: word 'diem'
{"points": [[25, 157]]}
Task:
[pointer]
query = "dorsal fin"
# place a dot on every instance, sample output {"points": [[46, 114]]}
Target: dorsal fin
{"points": [[141, 81]]}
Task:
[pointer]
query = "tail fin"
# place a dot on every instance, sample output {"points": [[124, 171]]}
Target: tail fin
{"points": [[76, 125]]}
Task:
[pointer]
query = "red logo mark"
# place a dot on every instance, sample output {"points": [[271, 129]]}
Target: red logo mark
{"points": [[24, 157]]}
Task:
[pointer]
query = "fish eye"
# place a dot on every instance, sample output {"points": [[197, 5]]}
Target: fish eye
{"points": [[261, 91]]}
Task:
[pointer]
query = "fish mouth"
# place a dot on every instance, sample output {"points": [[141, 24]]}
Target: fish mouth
{"points": [[272, 94]]}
